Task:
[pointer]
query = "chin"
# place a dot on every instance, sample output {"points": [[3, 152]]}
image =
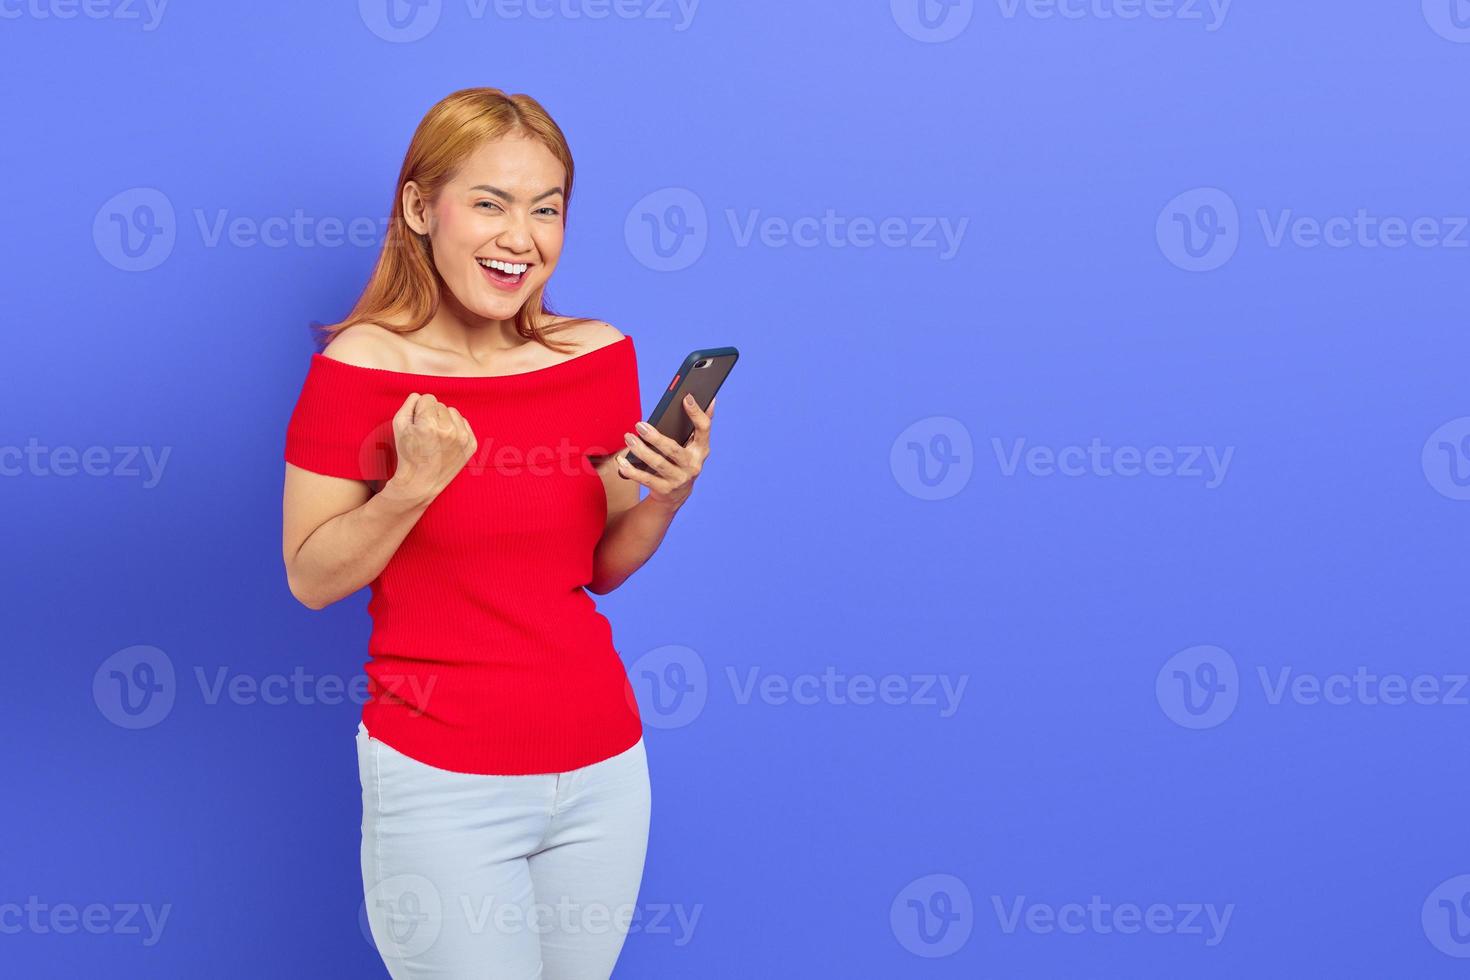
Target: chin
{"points": [[497, 311]]}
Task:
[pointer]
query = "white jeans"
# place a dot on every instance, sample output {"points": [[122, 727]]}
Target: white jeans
{"points": [[501, 877]]}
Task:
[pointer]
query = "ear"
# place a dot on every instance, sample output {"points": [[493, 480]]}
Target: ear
{"points": [[415, 209]]}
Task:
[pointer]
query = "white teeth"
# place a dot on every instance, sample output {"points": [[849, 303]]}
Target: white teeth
{"points": [[511, 268]]}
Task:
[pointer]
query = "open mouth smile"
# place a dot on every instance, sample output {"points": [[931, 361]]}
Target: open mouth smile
{"points": [[503, 275]]}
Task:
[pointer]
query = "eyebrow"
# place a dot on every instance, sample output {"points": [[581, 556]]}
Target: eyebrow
{"points": [[511, 197]]}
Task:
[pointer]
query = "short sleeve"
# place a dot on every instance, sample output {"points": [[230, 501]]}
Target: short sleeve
{"points": [[622, 402], [342, 425]]}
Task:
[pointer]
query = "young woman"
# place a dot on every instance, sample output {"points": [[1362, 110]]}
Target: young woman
{"points": [[461, 449]]}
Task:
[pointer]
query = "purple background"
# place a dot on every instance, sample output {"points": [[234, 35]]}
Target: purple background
{"points": [[1076, 764]]}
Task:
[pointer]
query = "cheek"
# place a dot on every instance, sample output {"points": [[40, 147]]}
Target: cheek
{"points": [[548, 244], [453, 231]]}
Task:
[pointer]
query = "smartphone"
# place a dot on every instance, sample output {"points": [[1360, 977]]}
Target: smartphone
{"points": [[701, 375]]}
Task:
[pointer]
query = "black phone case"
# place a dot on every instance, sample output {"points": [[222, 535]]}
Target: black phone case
{"points": [[669, 417]]}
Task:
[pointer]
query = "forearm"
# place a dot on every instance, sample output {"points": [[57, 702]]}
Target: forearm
{"points": [[628, 542], [349, 551]]}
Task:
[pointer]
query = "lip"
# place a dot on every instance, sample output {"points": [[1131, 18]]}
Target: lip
{"points": [[506, 287]]}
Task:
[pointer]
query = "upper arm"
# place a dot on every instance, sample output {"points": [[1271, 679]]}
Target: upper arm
{"points": [[312, 499], [622, 493]]}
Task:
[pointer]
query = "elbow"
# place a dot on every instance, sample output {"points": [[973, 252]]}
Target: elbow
{"points": [[601, 587], [306, 597], [310, 602]]}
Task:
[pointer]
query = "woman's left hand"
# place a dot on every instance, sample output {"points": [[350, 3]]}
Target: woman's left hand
{"points": [[675, 467]]}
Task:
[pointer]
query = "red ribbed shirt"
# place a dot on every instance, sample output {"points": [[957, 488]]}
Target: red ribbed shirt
{"points": [[487, 654]]}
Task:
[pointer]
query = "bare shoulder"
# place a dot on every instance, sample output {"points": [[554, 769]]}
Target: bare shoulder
{"points": [[584, 333], [366, 345]]}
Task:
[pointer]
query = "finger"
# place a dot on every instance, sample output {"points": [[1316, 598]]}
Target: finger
{"points": [[701, 423], [697, 415], [628, 471], [462, 430], [404, 415], [650, 456], [425, 408], [659, 441]]}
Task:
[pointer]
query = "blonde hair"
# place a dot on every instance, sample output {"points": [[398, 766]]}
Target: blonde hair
{"points": [[403, 292]]}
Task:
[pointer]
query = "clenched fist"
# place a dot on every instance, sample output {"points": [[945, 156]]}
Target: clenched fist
{"points": [[434, 442]]}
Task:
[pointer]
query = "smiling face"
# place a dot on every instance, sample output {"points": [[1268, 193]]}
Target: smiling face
{"points": [[497, 226]]}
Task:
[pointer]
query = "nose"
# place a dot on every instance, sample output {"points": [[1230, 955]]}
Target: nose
{"points": [[516, 236]]}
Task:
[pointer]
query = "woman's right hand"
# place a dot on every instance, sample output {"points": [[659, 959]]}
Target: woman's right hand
{"points": [[433, 441]]}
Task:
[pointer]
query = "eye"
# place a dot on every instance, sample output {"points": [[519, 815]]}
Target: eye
{"points": [[490, 203], [550, 212]]}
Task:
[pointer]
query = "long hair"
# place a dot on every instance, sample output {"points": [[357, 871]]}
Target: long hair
{"points": [[403, 292]]}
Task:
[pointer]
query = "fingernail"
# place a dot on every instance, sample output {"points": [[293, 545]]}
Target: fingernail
{"points": [[629, 439], [688, 399], [642, 426]]}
